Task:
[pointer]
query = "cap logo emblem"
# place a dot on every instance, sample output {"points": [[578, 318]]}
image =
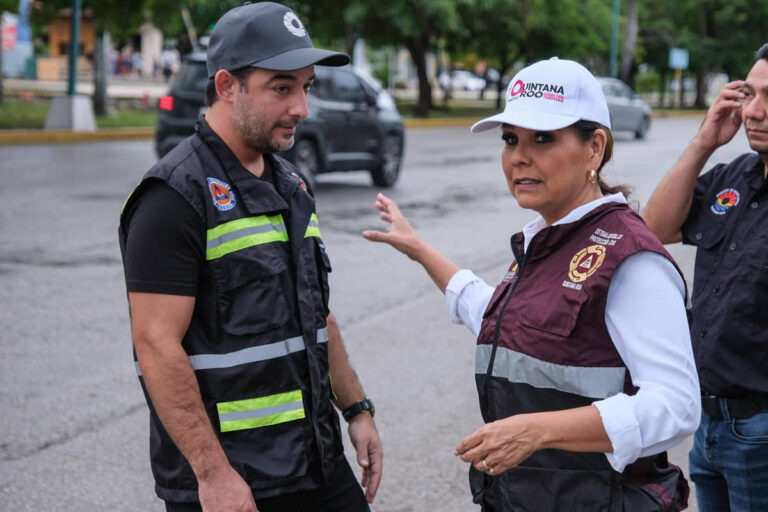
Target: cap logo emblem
{"points": [[222, 195], [725, 200], [552, 92], [585, 262], [294, 25]]}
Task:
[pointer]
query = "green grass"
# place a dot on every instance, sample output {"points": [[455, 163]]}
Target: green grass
{"points": [[128, 119], [454, 108], [22, 115], [16, 114]]}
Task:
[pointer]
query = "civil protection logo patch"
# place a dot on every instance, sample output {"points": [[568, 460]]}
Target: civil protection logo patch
{"points": [[222, 195], [585, 262], [725, 200]]}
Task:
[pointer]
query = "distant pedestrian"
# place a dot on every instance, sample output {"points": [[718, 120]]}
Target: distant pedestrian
{"points": [[724, 213]]}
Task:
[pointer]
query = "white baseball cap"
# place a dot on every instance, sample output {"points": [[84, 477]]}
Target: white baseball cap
{"points": [[549, 95]]}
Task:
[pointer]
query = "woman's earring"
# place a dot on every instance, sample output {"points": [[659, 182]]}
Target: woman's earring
{"points": [[593, 176]]}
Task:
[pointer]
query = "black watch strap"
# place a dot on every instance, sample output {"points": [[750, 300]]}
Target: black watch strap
{"points": [[358, 407]]}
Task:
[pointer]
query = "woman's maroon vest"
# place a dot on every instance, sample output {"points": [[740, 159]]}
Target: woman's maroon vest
{"points": [[544, 346]]}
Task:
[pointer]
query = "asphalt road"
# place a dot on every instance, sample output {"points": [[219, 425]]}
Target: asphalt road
{"points": [[73, 435]]}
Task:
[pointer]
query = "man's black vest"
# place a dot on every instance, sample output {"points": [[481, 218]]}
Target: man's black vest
{"points": [[544, 346], [257, 340]]}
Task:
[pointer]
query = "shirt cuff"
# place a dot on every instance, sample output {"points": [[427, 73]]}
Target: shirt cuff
{"points": [[622, 428], [453, 290]]}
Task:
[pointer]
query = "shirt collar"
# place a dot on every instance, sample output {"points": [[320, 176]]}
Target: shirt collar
{"points": [[537, 224], [259, 196]]}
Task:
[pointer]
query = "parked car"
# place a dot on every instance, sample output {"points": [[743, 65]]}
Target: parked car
{"points": [[461, 79], [353, 123], [627, 110]]}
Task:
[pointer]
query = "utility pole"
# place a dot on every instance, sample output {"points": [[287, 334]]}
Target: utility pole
{"points": [[74, 44], [615, 36], [72, 112]]}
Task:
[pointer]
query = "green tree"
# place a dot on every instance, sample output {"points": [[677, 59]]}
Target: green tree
{"points": [[417, 25], [509, 31]]}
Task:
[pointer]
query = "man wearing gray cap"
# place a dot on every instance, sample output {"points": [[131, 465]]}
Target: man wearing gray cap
{"points": [[239, 357]]}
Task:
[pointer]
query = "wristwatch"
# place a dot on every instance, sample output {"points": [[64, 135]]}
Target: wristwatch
{"points": [[358, 407]]}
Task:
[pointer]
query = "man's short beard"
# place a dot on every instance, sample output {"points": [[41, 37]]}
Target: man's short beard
{"points": [[255, 135]]}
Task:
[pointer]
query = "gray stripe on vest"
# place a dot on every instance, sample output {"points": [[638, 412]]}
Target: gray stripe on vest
{"points": [[242, 233], [250, 354], [591, 382], [260, 413]]}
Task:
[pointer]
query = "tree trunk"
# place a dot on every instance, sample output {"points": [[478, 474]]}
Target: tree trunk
{"points": [[662, 88], [100, 65], [2, 90], [701, 89], [628, 51], [350, 39], [418, 51]]}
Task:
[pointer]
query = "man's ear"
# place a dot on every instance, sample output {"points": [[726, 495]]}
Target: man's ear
{"points": [[225, 83]]}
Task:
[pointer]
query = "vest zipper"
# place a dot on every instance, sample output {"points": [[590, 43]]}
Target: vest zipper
{"points": [[489, 371]]}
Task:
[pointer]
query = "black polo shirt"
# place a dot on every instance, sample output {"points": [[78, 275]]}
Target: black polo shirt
{"points": [[728, 223]]}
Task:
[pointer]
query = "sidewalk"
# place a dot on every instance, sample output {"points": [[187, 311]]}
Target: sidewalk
{"points": [[123, 87]]}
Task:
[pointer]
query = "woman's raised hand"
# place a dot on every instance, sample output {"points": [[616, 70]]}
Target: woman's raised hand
{"points": [[399, 234]]}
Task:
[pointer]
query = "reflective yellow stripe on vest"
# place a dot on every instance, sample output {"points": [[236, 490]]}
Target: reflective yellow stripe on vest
{"points": [[313, 228], [243, 233], [260, 412]]}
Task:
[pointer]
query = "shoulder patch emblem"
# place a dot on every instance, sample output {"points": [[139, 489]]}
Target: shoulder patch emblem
{"points": [[725, 200], [510, 276], [585, 262], [222, 194], [301, 181]]}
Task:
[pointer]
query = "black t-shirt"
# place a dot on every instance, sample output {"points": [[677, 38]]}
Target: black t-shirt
{"points": [[165, 242]]}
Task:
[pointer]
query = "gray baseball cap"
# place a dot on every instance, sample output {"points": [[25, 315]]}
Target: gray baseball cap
{"points": [[265, 35]]}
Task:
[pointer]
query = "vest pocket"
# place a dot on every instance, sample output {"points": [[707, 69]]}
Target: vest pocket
{"points": [[557, 315], [252, 300], [530, 489], [267, 438]]}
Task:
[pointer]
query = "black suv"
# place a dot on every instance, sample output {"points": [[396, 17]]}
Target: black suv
{"points": [[353, 123]]}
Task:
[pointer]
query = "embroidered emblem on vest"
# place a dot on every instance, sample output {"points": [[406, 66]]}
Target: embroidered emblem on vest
{"points": [[604, 238], [585, 262], [301, 182], [510, 276], [725, 200], [222, 195]]}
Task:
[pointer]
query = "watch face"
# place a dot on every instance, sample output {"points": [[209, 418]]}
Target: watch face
{"points": [[371, 407]]}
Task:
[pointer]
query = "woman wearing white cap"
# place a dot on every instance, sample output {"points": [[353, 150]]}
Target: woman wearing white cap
{"points": [[583, 365]]}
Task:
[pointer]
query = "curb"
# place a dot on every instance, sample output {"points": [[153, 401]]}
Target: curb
{"points": [[43, 137]]}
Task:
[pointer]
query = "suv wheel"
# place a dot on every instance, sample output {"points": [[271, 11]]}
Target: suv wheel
{"points": [[389, 169], [307, 159]]}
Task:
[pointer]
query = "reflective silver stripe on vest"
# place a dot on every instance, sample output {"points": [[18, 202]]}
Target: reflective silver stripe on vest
{"points": [[591, 382], [251, 354]]}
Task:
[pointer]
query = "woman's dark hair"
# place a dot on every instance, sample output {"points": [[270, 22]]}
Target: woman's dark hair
{"points": [[241, 75], [586, 129]]}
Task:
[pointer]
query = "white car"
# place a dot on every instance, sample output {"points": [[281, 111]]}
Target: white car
{"points": [[627, 110], [461, 79]]}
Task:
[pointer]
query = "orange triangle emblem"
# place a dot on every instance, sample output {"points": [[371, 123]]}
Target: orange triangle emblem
{"points": [[587, 263]]}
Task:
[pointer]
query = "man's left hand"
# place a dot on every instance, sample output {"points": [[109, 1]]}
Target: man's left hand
{"points": [[370, 455]]}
